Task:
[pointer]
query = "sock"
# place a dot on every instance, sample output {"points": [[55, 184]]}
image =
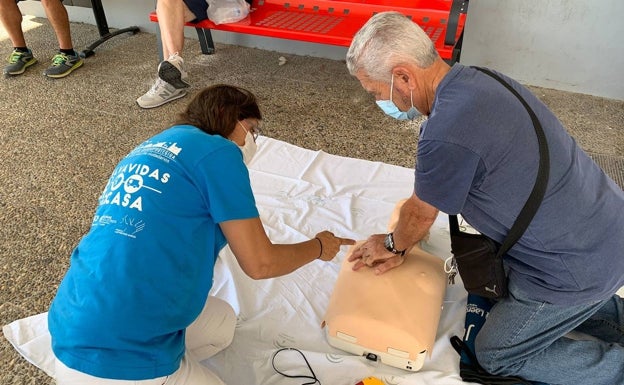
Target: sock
{"points": [[68, 52], [21, 49]]}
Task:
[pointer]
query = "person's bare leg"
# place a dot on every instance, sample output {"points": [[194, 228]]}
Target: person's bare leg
{"points": [[19, 60], [11, 18], [170, 84], [68, 60], [172, 14], [57, 15]]}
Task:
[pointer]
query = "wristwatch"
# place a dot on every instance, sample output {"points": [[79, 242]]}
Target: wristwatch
{"points": [[389, 244]]}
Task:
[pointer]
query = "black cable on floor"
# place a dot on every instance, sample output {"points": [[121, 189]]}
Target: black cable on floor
{"points": [[312, 377]]}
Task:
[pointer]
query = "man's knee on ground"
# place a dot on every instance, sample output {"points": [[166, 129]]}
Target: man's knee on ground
{"points": [[492, 357]]}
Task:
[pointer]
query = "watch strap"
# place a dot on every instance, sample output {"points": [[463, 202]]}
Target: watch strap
{"points": [[390, 246]]}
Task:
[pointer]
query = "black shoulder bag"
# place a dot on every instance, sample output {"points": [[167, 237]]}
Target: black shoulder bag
{"points": [[478, 258]]}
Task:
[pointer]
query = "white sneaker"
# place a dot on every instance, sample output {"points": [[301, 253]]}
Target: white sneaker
{"points": [[160, 93]]}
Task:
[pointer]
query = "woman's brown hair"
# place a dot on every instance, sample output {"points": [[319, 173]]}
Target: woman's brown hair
{"points": [[217, 109]]}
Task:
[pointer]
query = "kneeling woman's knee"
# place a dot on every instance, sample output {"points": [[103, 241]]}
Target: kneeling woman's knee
{"points": [[213, 327], [223, 326], [229, 326]]}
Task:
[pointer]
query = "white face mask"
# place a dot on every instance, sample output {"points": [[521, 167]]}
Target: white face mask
{"points": [[390, 109], [249, 148]]}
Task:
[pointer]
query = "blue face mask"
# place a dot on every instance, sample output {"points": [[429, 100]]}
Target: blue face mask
{"points": [[390, 109]]}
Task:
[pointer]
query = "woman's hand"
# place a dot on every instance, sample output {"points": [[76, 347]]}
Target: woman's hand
{"points": [[330, 244], [259, 258]]}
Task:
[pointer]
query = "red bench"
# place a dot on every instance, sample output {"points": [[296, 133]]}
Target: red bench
{"points": [[334, 22]]}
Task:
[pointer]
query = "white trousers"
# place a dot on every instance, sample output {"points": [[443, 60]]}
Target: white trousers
{"points": [[210, 333]]}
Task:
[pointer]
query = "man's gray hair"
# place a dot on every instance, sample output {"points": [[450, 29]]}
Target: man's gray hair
{"points": [[386, 40]]}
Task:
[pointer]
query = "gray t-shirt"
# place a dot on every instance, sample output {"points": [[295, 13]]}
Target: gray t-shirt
{"points": [[478, 155]]}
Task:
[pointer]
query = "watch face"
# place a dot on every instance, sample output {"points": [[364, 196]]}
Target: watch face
{"points": [[388, 243]]}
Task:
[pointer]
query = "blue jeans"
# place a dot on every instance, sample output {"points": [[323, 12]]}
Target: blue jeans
{"points": [[527, 338]]}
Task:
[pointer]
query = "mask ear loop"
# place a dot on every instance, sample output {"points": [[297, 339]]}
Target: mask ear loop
{"points": [[246, 132], [392, 87]]}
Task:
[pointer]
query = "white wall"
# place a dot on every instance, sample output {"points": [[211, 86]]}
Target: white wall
{"points": [[571, 45]]}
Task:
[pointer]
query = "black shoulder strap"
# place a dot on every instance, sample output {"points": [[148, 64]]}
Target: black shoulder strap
{"points": [[541, 181]]}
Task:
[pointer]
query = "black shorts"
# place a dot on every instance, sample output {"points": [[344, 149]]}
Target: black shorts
{"points": [[199, 9]]}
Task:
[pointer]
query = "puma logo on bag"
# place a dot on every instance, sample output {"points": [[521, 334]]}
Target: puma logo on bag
{"points": [[493, 290]]}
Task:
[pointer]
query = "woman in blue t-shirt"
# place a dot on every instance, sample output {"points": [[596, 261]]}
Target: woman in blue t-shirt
{"points": [[134, 306]]}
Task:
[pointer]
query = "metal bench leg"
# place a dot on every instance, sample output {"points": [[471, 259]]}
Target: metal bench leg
{"points": [[205, 41], [161, 54], [102, 24], [456, 57], [457, 7]]}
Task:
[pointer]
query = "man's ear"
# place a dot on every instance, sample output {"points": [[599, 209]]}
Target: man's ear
{"points": [[403, 76]]}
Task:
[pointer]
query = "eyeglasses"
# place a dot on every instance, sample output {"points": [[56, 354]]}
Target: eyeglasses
{"points": [[255, 130]]}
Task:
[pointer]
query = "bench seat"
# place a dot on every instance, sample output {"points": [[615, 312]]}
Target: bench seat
{"points": [[335, 22]]}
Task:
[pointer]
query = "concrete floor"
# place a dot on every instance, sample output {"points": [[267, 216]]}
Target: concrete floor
{"points": [[62, 138]]}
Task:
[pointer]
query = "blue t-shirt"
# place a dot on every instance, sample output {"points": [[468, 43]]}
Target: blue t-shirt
{"points": [[142, 273], [478, 155]]}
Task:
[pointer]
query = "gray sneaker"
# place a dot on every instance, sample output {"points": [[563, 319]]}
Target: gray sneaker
{"points": [[172, 71], [63, 65], [18, 62], [170, 85], [160, 93]]}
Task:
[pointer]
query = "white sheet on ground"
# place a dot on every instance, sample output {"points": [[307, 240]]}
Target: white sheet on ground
{"points": [[299, 193]]}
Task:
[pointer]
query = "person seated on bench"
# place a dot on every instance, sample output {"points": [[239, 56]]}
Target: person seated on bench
{"points": [[63, 63], [171, 82]]}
